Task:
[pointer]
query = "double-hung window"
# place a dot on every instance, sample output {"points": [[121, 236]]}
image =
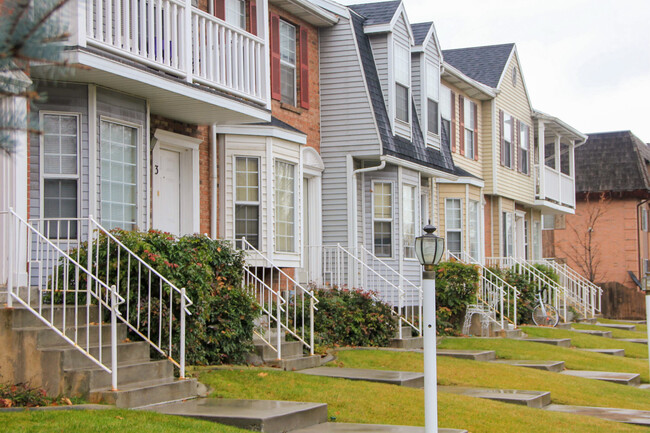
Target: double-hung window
{"points": [[445, 116], [409, 220], [402, 70], [119, 150], [508, 234], [508, 132], [247, 200], [382, 216], [60, 173], [474, 230], [433, 96], [469, 111], [285, 195], [454, 225], [523, 146], [236, 13], [287, 63]]}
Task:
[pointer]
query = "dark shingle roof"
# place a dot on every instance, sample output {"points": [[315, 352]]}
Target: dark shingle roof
{"points": [[278, 123], [414, 151], [377, 13], [483, 64], [612, 161], [420, 31]]}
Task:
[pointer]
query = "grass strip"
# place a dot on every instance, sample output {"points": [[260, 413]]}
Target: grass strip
{"points": [[639, 326], [105, 421], [367, 402], [616, 333]]}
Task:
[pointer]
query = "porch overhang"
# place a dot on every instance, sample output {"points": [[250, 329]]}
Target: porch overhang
{"points": [[551, 207], [471, 87], [307, 11]]}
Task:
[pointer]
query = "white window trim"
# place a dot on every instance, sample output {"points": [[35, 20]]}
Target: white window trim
{"points": [[41, 164], [393, 80], [416, 196], [525, 127], [296, 192], [478, 228], [512, 164], [391, 220], [447, 229], [504, 241], [260, 237], [294, 66], [469, 103]]}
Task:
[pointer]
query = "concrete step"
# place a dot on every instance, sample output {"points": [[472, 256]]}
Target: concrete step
{"points": [[634, 322], [628, 416], [297, 363], [535, 399], [47, 338], [23, 318], [290, 349], [613, 352], [272, 336], [590, 320], [475, 355], [339, 427], [84, 381], [258, 415], [566, 325], [634, 340], [407, 343], [147, 393], [554, 366], [617, 326], [511, 333], [131, 352], [606, 334], [407, 332], [631, 379], [562, 342], [400, 378]]}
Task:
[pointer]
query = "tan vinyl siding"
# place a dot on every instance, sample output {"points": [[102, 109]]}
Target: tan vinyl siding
{"points": [[451, 190], [488, 148]]}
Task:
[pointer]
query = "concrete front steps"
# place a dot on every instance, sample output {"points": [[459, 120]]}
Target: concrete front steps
{"points": [[293, 358], [34, 353]]}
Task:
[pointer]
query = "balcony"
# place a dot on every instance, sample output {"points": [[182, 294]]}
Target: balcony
{"points": [[557, 187]]}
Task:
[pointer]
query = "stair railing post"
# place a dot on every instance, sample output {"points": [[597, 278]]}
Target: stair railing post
{"points": [[182, 342], [311, 325], [12, 254], [279, 320], [113, 339]]}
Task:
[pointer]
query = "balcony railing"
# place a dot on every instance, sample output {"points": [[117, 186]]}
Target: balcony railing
{"points": [[174, 37], [556, 186]]}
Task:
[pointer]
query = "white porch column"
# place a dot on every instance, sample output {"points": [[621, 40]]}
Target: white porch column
{"points": [[541, 144], [75, 14], [187, 41], [558, 162], [263, 32]]}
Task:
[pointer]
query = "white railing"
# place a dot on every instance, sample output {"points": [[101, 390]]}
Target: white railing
{"points": [[557, 186], [174, 37], [284, 301], [340, 267], [494, 293], [552, 292], [152, 304]]}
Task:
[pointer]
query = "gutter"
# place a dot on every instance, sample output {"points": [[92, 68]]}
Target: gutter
{"points": [[353, 242]]}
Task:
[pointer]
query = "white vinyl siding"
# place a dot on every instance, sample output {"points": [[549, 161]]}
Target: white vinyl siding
{"points": [[409, 220], [453, 225], [382, 216], [287, 63], [247, 200], [474, 230], [285, 214]]}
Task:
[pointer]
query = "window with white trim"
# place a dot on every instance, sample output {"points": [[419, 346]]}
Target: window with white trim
{"points": [[433, 96], [247, 200], [537, 236], [409, 220], [287, 63], [508, 234], [382, 218], [508, 131], [644, 219], [454, 225], [548, 222], [60, 172], [402, 70], [523, 144], [236, 13], [285, 196], [526, 239], [445, 116], [474, 230], [119, 173], [469, 110]]}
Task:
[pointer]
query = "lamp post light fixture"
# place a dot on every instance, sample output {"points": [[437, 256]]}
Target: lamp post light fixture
{"points": [[429, 249]]}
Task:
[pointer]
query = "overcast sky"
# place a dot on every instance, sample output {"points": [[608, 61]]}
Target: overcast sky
{"points": [[584, 61]]}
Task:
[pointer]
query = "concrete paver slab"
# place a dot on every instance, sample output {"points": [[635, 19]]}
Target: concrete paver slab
{"points": [[401, 378], [475, 355], [368, 428], [617, 326], [606, 334], [613, 352], [259, 415], [629, 416], [634, 340], [562, 342], [536, 399], [554, 366], [631, 379]]}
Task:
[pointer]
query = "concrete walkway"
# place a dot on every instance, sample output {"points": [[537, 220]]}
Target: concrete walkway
{"points": [[401, 378], [628, 416], [368, 428]]}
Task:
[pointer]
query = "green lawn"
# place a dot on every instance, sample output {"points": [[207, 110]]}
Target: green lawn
{"points": [[616, 333], [105, 421], [585, 341], [506, 348], [461, 372], [366, 402], [639, 327]]}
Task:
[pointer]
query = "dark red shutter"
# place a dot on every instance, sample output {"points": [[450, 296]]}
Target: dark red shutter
{"points": [[275, 57], [220, 9], [502, 143], [252, 14], [475, 131], [304, 67], [453, 121], [461, 120], [518, 145]]}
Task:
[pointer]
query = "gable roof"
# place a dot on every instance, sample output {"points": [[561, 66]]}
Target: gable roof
{"points": [[377, 13], [612, 162], [420, 31], [484, 64], [415, 151]]}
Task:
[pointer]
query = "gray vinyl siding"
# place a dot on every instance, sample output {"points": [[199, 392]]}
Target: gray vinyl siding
{"points": [[379, 44], [112, 105], [347, 124]]}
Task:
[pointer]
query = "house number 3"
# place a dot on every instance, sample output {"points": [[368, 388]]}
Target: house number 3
{"points": [[156, 169]]}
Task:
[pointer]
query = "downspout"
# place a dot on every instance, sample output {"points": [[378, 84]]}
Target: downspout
{"points": [[213, 175], [355, 229], [638, 237]]}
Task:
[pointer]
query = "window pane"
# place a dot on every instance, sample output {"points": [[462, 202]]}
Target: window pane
{"points": [[474, 230], [446, 132], [382, 201], [433, 81], [401, 103], [287, 42], [284, 206], [453, 214], [60, 144], [60, 201], [402, 65], [288, 84], [236, 13], [445, 103], [454, 242], [247, 224], [383, 238], [246, 179], [468, 110], [409, 222], [469, 143], [432, 113]]}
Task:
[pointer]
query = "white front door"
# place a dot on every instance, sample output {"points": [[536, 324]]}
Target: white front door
{"points": [[167, 196]]}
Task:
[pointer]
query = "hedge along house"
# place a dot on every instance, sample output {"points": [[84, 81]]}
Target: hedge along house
{"points": [[380, 162]]}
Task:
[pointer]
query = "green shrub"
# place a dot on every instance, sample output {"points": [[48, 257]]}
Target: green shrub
{"points": [[456, 287], [220, 328], [25, 395]]}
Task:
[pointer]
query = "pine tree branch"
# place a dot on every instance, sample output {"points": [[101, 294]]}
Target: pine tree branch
{"points": [[44, 18]]}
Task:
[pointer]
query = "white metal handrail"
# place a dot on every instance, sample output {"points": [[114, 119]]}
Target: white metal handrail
{"points": [[291, 318]]}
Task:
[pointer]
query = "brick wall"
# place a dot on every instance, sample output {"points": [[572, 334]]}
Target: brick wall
{"points": [[205, 161]]}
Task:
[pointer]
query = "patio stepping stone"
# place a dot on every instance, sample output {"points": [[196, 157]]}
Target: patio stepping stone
{"points": [[535, 399], [634, 340], [597, 333], [566, 325], [562, 342], [613, 352], [401, 378], [475, 355], [617, 326], [629, 416], [554, 366], [338, 427], [631, 379], [259, 415]]}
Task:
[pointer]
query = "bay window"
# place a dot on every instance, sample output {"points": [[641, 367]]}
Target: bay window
{"points": [[453, 225], [433, 95], [382, 216], [402, 82], [285, 187], [247, 200], [409, 220]]}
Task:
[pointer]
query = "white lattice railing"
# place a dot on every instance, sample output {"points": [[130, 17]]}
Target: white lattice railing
{"points": [[174, 37]]}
